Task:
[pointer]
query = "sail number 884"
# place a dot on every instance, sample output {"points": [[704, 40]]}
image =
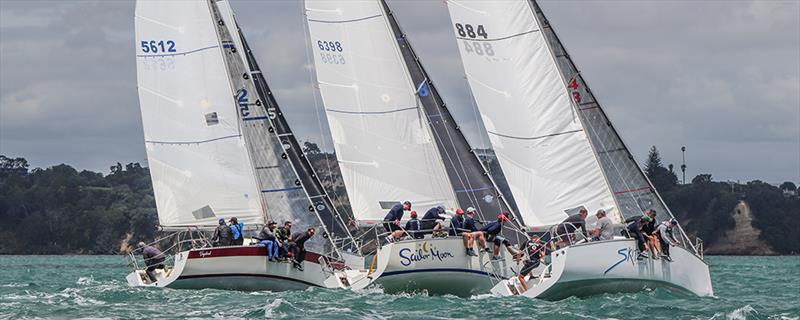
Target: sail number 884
{"points": [[467, 30]]}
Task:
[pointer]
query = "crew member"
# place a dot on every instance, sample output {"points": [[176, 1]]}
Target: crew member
{"points": [[237, 232], [153, 259], [535, 250], [429, 223], [414, 227], [566, 230], [666, 237], [492, 233], [268, 239], [222, 234], [391, 222], [298, 246]]}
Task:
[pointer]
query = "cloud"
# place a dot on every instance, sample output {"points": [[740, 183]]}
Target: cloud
{"points": [[722, 78]]}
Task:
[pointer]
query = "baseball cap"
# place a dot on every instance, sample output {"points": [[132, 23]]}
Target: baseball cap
{"points": [[502, 217], [413, 214], [459, 211]]}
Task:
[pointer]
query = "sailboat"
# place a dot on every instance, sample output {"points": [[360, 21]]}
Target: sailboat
{"points": [[395, 140], [219, 147], [559, 151]]}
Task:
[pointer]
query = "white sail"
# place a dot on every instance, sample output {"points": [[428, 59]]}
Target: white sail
{"points": [[382, 140], [540, 143], [197, 156]]}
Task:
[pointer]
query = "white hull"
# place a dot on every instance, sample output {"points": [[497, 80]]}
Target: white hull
{"points": [[610, 267], [246, 268], [437, 266]]}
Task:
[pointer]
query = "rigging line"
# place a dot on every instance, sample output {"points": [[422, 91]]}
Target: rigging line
{"points": [[500, 39], [323, 141], [192, 142], [536, 137], [344, 21]]}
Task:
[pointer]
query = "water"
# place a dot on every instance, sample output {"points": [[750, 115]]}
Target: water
{"points": [[68, 287]]}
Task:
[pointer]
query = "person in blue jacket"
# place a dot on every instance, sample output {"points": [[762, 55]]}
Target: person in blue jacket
{"points": [[470, 232], [457, 223], [391, 222], [237, 230], [429, 223], [491, 233], [414, 227]]}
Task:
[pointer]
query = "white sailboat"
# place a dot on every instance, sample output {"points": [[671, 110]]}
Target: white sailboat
{"points": [[395, 140], [559, 152], [219, 147]]}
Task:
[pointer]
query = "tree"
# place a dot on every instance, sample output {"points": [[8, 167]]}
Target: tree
{"points": [[311, 148], [662, 178], [788, 185]]}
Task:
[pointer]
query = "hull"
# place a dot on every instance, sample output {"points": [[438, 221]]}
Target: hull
{"points": [[247, 269], [437, 266], [611, 267]]}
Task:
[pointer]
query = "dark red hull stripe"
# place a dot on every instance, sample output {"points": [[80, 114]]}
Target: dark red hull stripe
{"points": [[256, 275], [312, 257]]}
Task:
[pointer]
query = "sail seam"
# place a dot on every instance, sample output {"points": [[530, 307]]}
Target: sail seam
{"points": [[192, 142], [371, 112], [281, 190], [503, 38], [537, 137], [177, 53], [345, 21]]}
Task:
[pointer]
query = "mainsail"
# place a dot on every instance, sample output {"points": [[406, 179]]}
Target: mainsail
{"points": [[384, 146], [198, 158], [540, 143]]}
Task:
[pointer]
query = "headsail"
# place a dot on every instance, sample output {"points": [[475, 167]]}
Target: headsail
{"points": [[319, 210], [198, 159], [385, 149], [541, 145], [631, 188], [472, 182]]}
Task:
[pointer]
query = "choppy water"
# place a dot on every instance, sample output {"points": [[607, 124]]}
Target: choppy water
{"points": [[94, 287]]}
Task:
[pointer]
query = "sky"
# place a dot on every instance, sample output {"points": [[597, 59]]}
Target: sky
{"points": [[719, 77]]}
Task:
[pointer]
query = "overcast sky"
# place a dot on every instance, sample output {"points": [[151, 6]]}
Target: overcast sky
{"points": [[720, 77]]}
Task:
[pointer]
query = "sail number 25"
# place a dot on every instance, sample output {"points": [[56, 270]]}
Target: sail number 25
{"points": [[154, 46]]}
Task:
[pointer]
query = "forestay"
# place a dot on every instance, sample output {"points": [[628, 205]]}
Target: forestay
{"points": [[197, 156], [540, 142], [382, 140]]}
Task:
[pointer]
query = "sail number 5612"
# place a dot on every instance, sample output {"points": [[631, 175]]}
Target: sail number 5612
{"points": [[154, 46]]}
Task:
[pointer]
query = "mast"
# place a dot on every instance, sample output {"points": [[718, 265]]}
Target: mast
{"points": [[266, 121], [631, 187], [472, 182]]}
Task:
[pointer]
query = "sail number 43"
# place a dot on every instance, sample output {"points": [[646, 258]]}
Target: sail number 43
{"points": [[154, 46]]}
